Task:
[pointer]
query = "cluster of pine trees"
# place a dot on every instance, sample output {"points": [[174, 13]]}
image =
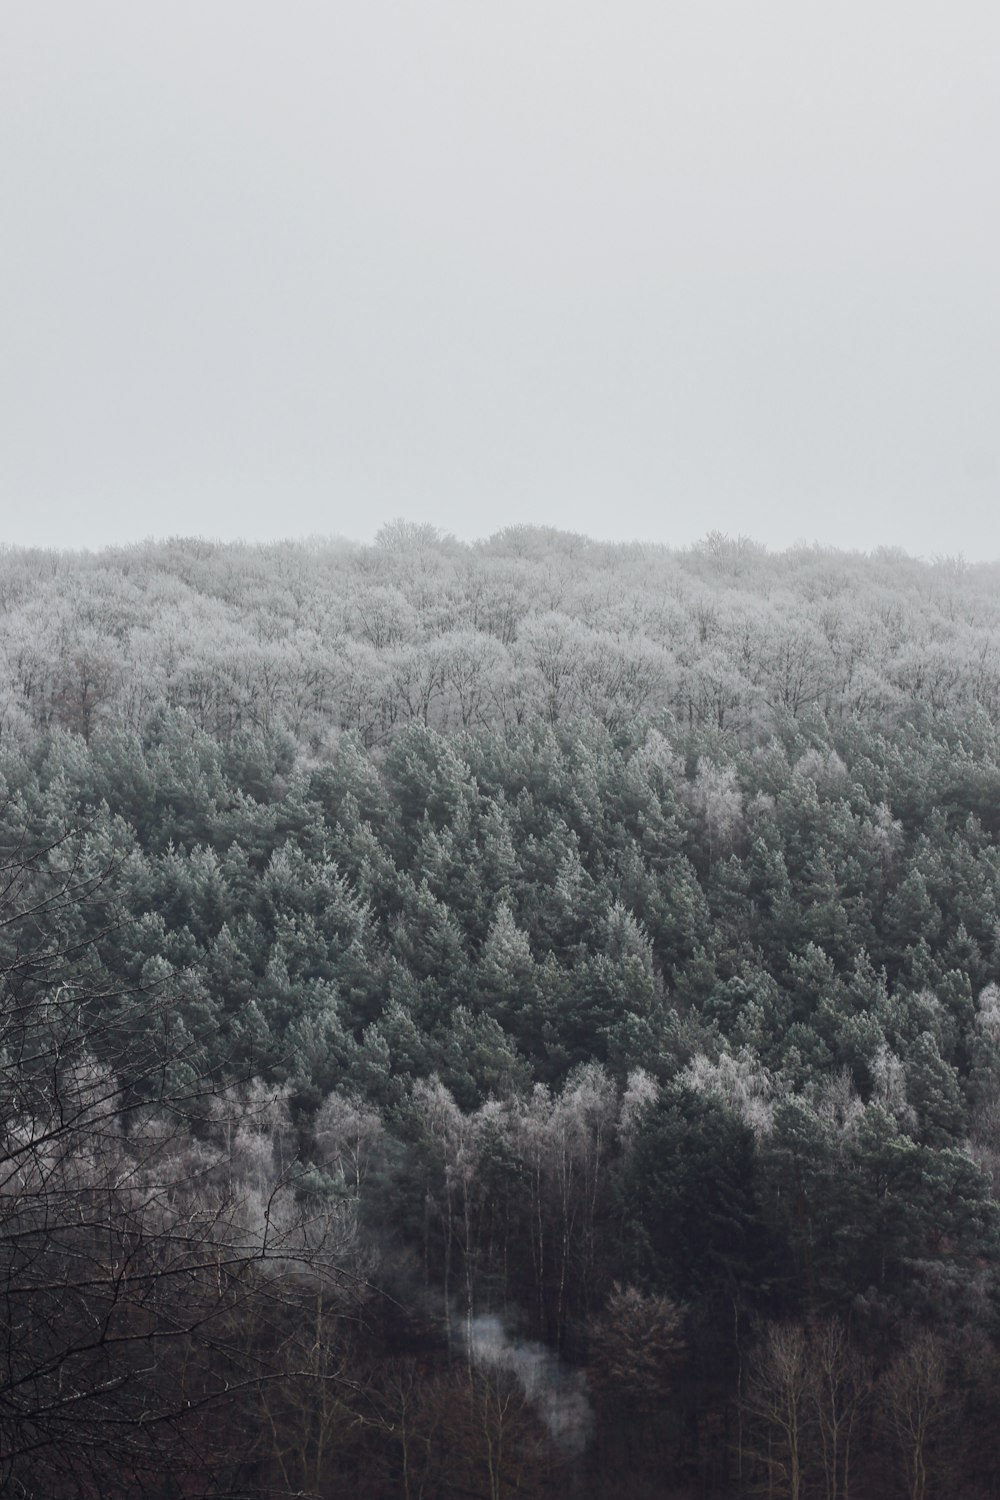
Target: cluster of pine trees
{"points": [[536, 1099]]}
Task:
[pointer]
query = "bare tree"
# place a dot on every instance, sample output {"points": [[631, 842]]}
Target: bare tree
{"points": [[841, 1384], [918, 1402], [778, 1408]]}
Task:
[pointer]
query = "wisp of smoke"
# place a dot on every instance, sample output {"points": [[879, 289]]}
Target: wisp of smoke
{"points": [[558, 1394]]}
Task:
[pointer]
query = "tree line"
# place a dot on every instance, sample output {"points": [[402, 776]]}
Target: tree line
{"points": [[531, 624]]}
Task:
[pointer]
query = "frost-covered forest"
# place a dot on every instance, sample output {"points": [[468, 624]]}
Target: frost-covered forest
{"points": [[532, 625], [494, 1020]]}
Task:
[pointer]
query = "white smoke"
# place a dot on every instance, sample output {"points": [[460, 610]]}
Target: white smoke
{"points": [[557, 1394]]}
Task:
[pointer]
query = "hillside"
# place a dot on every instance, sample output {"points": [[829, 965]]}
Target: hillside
{"points": [[550, 991]]}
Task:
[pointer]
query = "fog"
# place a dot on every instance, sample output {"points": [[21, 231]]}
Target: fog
{"points": [[640, 271]]}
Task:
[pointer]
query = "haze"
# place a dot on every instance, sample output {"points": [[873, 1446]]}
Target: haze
{"points": [[639, 270]]}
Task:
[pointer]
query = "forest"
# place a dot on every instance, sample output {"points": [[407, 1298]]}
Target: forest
{"points": [[501, 1019]]}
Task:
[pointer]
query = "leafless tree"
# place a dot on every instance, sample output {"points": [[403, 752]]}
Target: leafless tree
{"points": [[918, 1401], [841, 1385], [778, 1410]]}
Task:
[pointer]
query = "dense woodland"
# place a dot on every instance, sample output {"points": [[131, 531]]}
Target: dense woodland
{"points": [[501, 1020], [530, 625]]}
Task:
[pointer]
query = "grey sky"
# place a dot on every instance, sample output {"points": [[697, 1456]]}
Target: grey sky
{"points": [[635, 268]]}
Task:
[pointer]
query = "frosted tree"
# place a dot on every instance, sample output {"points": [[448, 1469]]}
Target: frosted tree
{"points": [[716, 800]]}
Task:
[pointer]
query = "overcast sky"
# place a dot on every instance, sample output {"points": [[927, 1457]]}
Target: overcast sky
{"points": [[635, 268]]}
